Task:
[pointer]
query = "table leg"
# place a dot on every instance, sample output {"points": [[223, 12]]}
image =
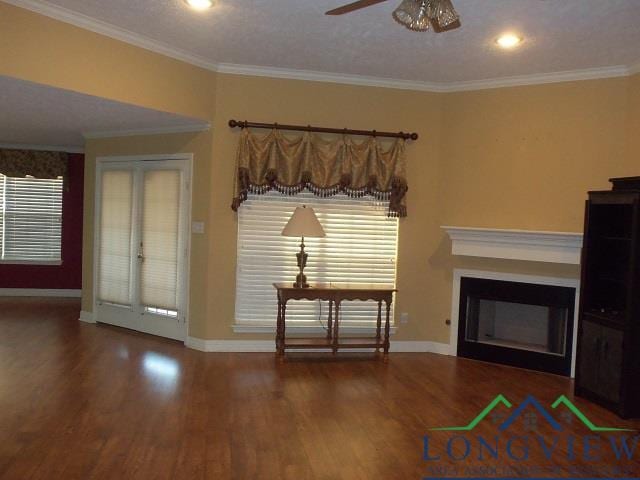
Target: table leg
{"points": [[278, 327], [379, 326], [330, 321], [387, 327], [283, 327], [336, 325]]}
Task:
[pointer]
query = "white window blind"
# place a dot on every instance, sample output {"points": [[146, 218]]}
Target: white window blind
{"points": [[31, 219], [114, 271], [160, 222], [360, 247]]}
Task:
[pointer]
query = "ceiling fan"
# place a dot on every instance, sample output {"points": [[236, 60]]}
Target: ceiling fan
{"points": [[417, 15]]}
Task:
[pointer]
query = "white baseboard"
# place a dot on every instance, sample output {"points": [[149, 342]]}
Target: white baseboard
{"points": [[247, 346], [40, 292], [87, 317], [420, 347]]}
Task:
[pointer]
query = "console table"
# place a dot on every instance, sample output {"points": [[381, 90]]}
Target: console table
{"points": [[335, 294]]}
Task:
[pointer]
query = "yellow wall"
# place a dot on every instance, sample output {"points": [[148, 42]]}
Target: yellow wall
{"points": [[42, 50], [633, 144], [519, 157]]}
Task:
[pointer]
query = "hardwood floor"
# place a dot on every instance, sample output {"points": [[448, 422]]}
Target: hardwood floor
{"points": [[94, 402]]}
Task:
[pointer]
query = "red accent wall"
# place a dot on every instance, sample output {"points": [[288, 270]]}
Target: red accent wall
{"points": [[69, 274]]}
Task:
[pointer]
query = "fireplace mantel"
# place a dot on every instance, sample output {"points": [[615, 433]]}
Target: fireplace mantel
{"points": [[535, 246]]}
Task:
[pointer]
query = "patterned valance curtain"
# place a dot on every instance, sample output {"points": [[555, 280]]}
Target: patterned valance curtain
{"points": [[289, 165], [20, 163]]}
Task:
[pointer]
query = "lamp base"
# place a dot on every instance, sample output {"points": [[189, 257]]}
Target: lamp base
{"points": [[301, 281]]}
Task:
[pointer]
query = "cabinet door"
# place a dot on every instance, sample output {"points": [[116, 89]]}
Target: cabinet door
{"points": [[610, 365], [590, 341]]}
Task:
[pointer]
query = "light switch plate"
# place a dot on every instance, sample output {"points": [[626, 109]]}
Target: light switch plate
{"points": [[404, 317], [197, 227]]}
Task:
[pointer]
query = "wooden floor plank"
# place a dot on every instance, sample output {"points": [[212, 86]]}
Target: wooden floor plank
{"points": [[96, 402]]}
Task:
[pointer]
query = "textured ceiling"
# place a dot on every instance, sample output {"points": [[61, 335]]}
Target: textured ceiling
{"points": [[560, 35], [41, 115]]}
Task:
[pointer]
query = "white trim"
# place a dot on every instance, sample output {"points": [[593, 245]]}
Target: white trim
{"points": [[40, 292], [540, 79], [87, 317], [458, 273], [435, 87], [103, 28], [41, 263], [536, 246], [326, 77], [271, 328], [246, 346], [45, 148], [83, 21], [421, 347], [148, 131], [185, 219]]}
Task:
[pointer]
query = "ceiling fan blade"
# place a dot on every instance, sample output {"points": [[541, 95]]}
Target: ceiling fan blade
{"points": [[353, 6]]}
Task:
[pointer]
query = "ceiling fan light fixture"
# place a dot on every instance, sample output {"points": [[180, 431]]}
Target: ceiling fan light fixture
{"points": [[444, 13], [413, 14]]}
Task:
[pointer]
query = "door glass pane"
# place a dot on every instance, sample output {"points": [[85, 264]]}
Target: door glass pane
{"points": [[114, 277], [160, 222]]}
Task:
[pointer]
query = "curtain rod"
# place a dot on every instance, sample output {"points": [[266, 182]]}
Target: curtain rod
{"points": [[309, 128]]}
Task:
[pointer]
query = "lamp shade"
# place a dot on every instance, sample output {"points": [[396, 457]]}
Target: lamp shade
{"points": [[303, 223]]}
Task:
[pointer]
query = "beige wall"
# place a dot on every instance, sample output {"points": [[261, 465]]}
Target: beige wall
{"points": [[633, 144], [291, 101], [509, 158], [519, 157], [42, 50]]}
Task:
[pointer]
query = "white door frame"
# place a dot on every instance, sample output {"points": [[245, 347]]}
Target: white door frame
{"points": [[186, 197]]}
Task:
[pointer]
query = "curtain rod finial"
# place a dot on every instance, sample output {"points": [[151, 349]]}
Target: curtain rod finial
{"points": [[233, 123], [413, 136]]}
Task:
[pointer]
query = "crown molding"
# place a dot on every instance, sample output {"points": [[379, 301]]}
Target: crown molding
{"points": [[345, 79], [147, 131], [103, 28], [540, 79], [45, 148], [83, 21]]}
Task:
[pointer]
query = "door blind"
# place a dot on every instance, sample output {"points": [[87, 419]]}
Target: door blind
{"points": [[360, 247], [160, 222], [114, 272], [31, 219]]}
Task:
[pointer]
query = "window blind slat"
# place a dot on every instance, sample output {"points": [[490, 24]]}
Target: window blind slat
{"points": [[360, 247], [30, 219]]}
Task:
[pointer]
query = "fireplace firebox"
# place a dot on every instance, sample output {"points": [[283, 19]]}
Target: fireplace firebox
{"points": [[519, 324]]}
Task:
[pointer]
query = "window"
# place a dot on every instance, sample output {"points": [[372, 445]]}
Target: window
{"points": [[30, 220], [360, 247]]}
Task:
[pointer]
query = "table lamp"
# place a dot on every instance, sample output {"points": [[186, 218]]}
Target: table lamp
{"points": [[303, 223]]}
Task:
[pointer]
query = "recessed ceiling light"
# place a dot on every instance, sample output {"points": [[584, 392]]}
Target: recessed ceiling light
{"points": [[508, 40], [200, 4]]}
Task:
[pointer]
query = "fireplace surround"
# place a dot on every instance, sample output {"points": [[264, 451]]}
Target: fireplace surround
{"points": [[525, 321]]}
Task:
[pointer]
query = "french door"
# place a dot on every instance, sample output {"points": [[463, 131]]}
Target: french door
{"points": [[142, 214]]}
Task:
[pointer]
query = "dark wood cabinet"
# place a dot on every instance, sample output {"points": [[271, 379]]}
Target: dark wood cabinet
{"points": [[608, 356]]}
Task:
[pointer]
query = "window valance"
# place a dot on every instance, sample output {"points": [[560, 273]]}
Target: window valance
{"points": [[38, 164], [290, 165]]}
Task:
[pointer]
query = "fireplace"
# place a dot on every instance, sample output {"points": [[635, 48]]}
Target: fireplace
{"points": [[517, 323]]}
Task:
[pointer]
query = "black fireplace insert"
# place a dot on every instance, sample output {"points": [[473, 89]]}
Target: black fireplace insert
{"points": [[519, 324]]}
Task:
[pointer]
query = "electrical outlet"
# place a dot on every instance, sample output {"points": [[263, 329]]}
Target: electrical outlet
{"points": [[404, 317], [197, 227]]}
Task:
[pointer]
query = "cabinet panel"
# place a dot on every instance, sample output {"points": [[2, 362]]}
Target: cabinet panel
{"points": [[590, 340], [610, 364]]}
